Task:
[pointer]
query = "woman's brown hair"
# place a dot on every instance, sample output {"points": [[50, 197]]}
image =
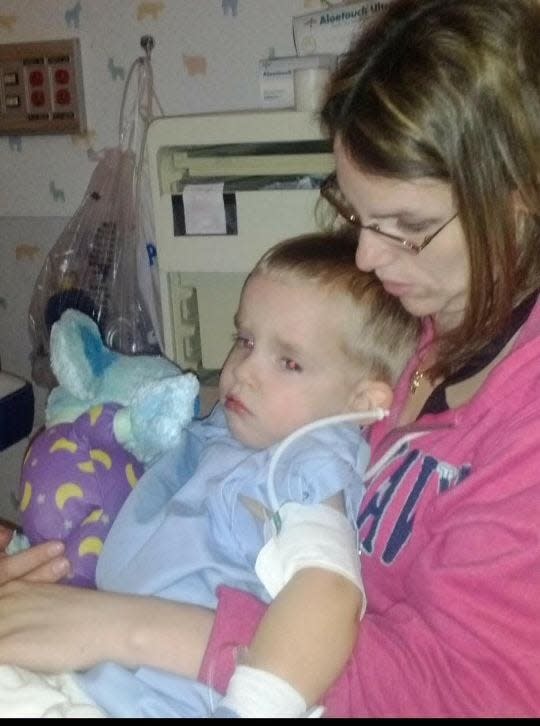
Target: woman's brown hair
{"points": [[450, 89]]}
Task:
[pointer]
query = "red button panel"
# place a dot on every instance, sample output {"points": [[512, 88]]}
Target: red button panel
{"points": [[41, 87]]}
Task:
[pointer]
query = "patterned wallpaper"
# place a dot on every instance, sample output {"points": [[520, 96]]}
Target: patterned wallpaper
{"points": [[205, 59]]}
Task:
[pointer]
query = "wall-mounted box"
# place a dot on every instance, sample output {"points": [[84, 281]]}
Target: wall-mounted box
{"points": [[276, 77], [41, 90]]}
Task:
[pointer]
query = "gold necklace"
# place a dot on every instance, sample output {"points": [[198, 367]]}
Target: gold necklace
{"points": [[416, 379]]}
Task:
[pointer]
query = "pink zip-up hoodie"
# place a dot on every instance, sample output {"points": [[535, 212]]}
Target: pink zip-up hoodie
{"points": [[450, 539]]}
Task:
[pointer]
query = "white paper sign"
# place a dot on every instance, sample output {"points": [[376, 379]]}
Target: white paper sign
{"points": [[204, 209]]}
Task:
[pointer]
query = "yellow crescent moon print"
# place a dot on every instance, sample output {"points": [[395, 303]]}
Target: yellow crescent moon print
{"points": [[102, 457], [94, 516], [67, 491], [64, 444], [90, 546], [87, 467], [94, 413], [27, 495], [130, 475]]}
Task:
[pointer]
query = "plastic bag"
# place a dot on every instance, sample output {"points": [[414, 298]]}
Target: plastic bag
{"points": [[104, 261]]}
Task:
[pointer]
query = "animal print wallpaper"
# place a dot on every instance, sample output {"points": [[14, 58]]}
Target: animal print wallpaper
{"points": [[205, 58]]}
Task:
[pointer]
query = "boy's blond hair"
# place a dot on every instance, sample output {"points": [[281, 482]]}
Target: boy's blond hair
{"points": [[378, 334]]}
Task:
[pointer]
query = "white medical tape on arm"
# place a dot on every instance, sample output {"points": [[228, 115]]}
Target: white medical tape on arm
{"points": [[254, 693], [309, 536]]}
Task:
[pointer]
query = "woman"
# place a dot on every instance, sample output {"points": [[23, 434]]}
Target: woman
{"points": [[435, 117]]}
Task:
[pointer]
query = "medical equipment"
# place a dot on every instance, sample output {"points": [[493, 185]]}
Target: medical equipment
{"points": [[225, 187]]}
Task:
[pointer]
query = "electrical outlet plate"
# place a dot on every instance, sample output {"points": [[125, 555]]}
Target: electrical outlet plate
{"points": [[41, 90]]}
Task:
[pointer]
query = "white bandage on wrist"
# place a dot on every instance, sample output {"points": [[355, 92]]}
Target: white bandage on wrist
{"points": [[253, 693], [309, 536]]}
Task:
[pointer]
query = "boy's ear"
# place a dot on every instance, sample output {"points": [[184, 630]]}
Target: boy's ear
{"points": [[368, 395]]}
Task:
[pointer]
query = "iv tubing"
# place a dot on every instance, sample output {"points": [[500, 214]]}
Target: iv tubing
{"points": [[368, 416]]}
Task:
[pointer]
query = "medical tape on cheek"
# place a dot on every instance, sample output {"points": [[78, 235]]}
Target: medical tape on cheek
{"points": [[309, 536]]}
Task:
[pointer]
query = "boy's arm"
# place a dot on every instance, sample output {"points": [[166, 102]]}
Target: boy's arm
{"points": [[314, 622], [309, 630]]}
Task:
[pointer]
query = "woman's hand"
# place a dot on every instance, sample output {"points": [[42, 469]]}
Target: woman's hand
{"points": [[42, 563], [52, 628]]}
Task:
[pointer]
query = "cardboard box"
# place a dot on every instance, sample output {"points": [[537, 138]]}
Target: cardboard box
{"points": [[332, 30], [276, 77]]}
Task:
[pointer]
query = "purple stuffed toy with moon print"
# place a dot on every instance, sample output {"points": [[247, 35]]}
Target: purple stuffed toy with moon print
{"points": [[110, 416], [73, 485]]}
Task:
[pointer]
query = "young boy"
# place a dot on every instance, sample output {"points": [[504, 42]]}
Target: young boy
{"points": [[315, 338]]}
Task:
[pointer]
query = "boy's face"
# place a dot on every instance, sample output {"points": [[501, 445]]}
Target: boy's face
{"points": [[286, 367]]}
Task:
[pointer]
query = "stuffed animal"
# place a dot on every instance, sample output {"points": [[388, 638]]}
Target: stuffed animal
{"points": [[110, 416]]}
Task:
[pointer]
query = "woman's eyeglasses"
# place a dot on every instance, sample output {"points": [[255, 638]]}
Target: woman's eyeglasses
{"points": [[331, 192]]}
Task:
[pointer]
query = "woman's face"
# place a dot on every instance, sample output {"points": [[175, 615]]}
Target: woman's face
{"points": [[435, 282]]}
